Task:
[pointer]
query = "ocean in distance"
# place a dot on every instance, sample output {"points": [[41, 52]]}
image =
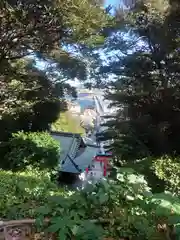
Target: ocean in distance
{"points": [[84, 100]]}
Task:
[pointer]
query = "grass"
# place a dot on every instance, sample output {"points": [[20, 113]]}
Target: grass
{"points": [[68, 123]]}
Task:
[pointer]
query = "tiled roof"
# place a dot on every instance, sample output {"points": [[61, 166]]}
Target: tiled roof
{"points": [[82, 161], [65, 134], [77, 158]]}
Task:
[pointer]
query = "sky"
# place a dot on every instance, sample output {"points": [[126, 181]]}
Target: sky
{"points": [[111, 2], [75, 82]]}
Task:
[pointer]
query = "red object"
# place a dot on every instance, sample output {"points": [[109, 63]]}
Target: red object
{"points": [[105, 169], [103, 159]]}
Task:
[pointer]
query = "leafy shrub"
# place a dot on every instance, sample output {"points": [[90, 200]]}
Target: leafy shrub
{"points": [[22, 192], [145, 167], [168, 169], [38, 149], [123, 209]]}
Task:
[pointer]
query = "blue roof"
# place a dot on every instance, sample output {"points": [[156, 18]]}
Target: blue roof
{"points": [[76, 153]]}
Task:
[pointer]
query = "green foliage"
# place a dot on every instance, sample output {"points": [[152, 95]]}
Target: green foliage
{"points": [[25, 97], [145, 90], [34, 33], [22, 192], [168, 169], [36, 149], [124, 208], [145, 167], [121, 208], [49, 25], [67, 123], [147, 82]]}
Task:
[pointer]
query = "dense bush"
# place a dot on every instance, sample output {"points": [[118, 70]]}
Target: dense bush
{"points": [[37, 149], [122, 209], [168, 169], [22, 192], [145, 167]]}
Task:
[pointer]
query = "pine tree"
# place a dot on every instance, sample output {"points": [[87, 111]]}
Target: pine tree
{"points": [[41, 33], [42, 30], [147, 82]]}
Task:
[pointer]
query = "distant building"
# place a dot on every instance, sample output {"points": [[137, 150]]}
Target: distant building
{"points": [[75, 108], [90, 112]]}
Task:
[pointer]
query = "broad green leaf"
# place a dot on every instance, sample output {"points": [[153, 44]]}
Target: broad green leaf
{"points": [[174, 219], [39, 221], [53, 228], [103, 198], [62, 235], [166, 203], [177, 229], [44, 210], [75, 230]]}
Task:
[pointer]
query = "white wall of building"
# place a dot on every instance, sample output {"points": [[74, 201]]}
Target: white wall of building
{"points": [[96, 172]]}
